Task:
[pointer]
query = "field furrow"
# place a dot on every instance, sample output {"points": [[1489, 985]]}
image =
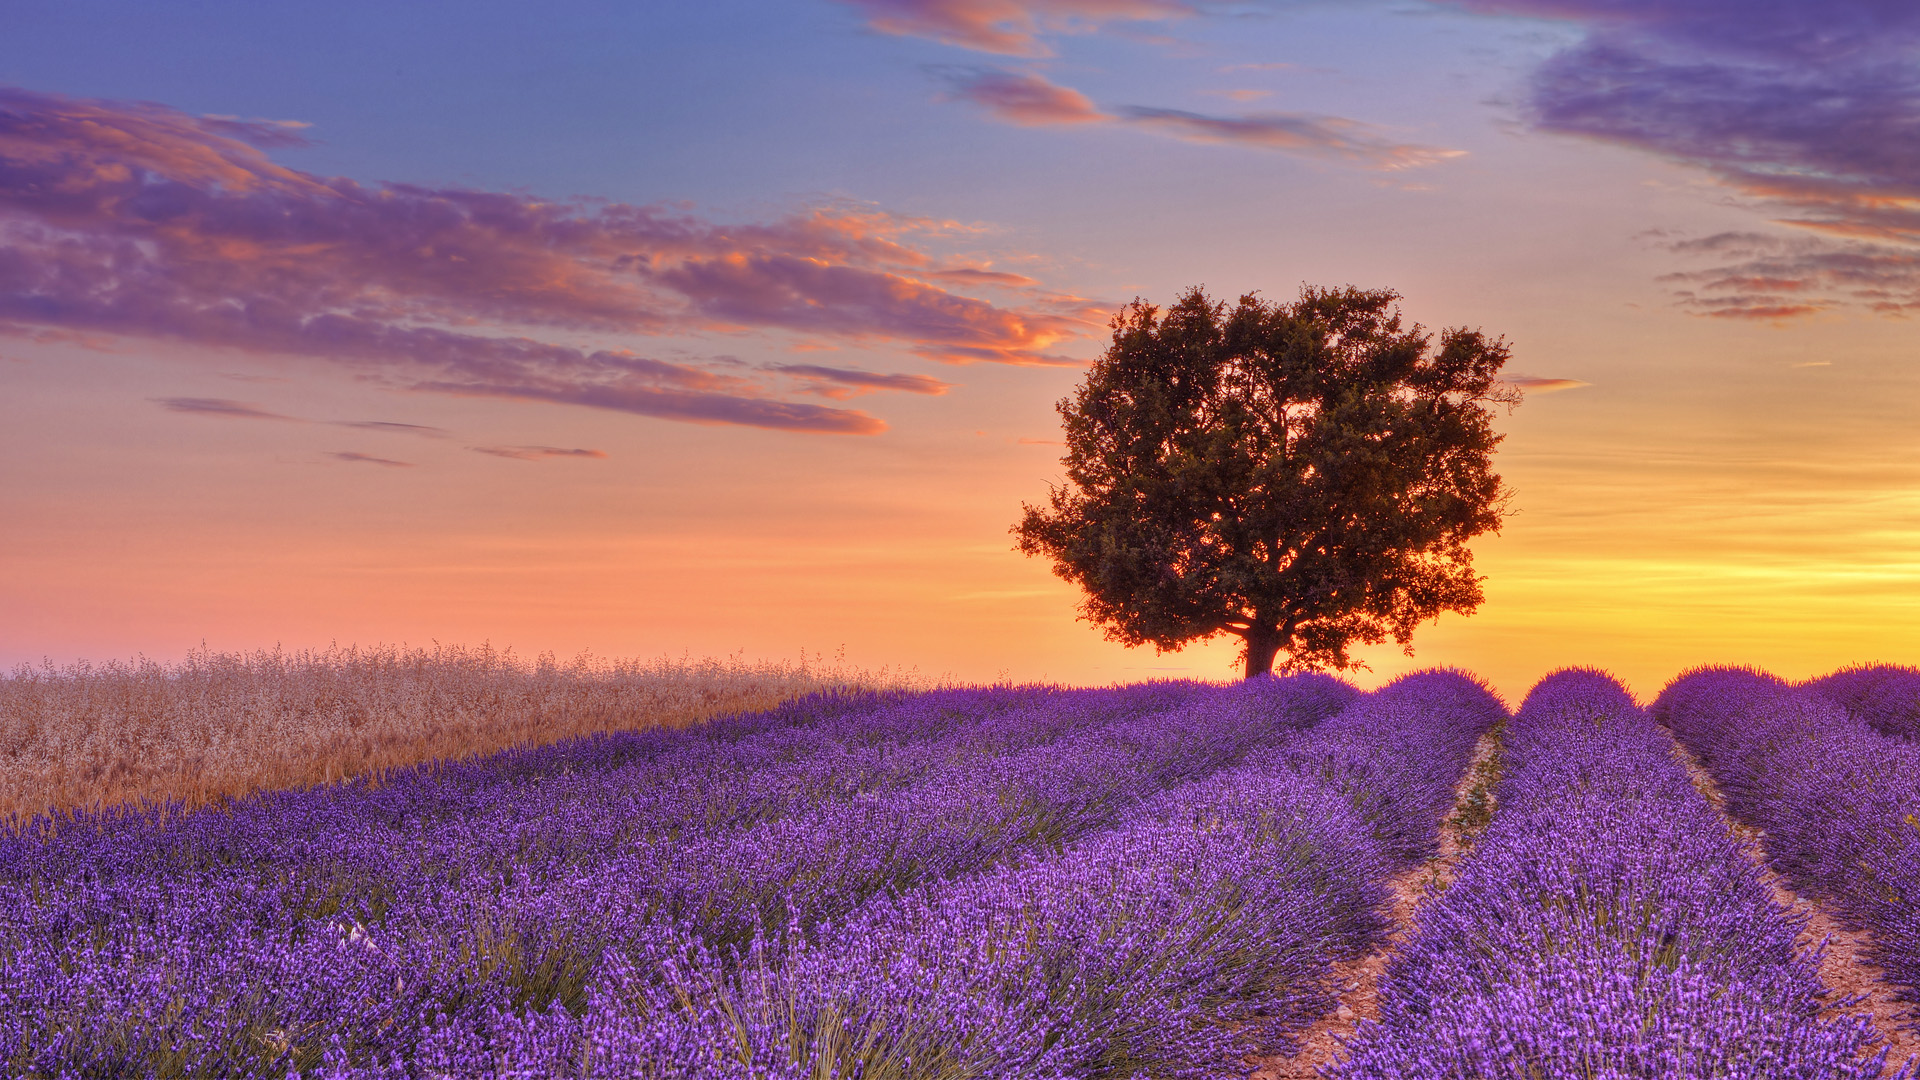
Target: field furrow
{"points": [[1837, 800], [1284, 877], [1356, 982], [349, 924], [1199, 931], [1606, 925], [1855, 985]]}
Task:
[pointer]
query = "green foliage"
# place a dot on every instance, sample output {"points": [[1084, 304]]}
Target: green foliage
{"points": [[1305, 476], [1475, 811]]}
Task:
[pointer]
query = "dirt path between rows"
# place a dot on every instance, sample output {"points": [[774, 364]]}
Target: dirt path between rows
{"points": [[1356, 982], [1845, 969]]}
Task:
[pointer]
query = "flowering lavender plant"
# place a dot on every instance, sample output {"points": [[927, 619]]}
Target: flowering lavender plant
{"points": [[1198, 929], [1838, 801], [1606, 925], [1885, 696], [459, 918]]}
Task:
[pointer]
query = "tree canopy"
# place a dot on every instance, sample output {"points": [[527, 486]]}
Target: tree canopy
{"points": [[1303, 475]]}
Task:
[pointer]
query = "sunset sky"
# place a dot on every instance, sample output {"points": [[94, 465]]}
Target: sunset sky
{"points": [[732, 327]]}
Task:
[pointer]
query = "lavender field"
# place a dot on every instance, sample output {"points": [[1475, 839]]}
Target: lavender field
{"points": [[1168, 880]]}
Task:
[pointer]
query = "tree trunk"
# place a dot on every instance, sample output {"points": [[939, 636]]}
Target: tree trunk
{"points": [[1263, 642]]}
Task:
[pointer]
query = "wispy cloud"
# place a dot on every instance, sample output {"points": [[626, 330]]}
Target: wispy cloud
{"points": [[1810, 109], [369, 459], [246, 410], [844, 383], [1030, 100], [266, 134], [536, 453], [395, 428], [221, 407], [1770, 278], [1539, 384], [135, 219], [1009, 27], [969, 275], [1025, 98], [1323, 136]]}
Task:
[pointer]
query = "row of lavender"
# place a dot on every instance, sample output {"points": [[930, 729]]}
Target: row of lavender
{"points": [[1836, 791], [631, 785], [1198, 931], [1606, 925], [354, 925], [1886, 697]]}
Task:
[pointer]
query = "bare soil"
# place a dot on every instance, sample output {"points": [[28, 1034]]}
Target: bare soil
{"points": [[1855, 985], [1356, 982]]}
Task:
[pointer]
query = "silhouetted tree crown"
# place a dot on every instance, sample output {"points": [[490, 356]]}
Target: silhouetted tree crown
{"points": [[1305, 476]]}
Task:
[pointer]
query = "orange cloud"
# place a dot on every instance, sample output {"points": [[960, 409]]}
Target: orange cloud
{"points": [[1026, 99], [1773, 278], [971, 276], [1535, 384], [138, 220], [1804, 108], [1030, 100], [1008, 27], [1326, 136]]}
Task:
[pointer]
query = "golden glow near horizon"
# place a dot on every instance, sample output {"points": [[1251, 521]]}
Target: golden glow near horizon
{"points": [[785, 384]]}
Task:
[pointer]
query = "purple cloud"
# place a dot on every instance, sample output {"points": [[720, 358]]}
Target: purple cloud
{"points": [[265, 134], [1771, 278], [1322, 136], [1024, 98], [536, 453], [221, 407], [1808, 108], [690, 406], [847, 382], [1030, 100], [139, 220], [974, 276], [807, 294], [394, 427], [245, 410], [369, 459]]}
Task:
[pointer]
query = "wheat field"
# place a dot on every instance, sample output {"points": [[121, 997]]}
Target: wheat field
{"points": [[220, 724]]}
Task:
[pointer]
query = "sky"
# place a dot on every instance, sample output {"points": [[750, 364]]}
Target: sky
{"points": [[737, 328]]}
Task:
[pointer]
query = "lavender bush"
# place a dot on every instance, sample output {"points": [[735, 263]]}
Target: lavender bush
{"points": [[1605, 925], [818, 866], [1838, 802], [1199, 929], [388, 927], [1398, 758], [1885, 696]]}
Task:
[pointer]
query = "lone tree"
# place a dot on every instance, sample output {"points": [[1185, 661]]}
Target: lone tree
{"points": [[1305, 476]]}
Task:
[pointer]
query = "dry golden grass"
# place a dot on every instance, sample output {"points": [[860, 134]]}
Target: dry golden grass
{"points": [[223, 724]]}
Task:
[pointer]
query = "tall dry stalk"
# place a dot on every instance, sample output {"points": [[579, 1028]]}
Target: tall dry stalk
{"points": [[223, 724]]}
